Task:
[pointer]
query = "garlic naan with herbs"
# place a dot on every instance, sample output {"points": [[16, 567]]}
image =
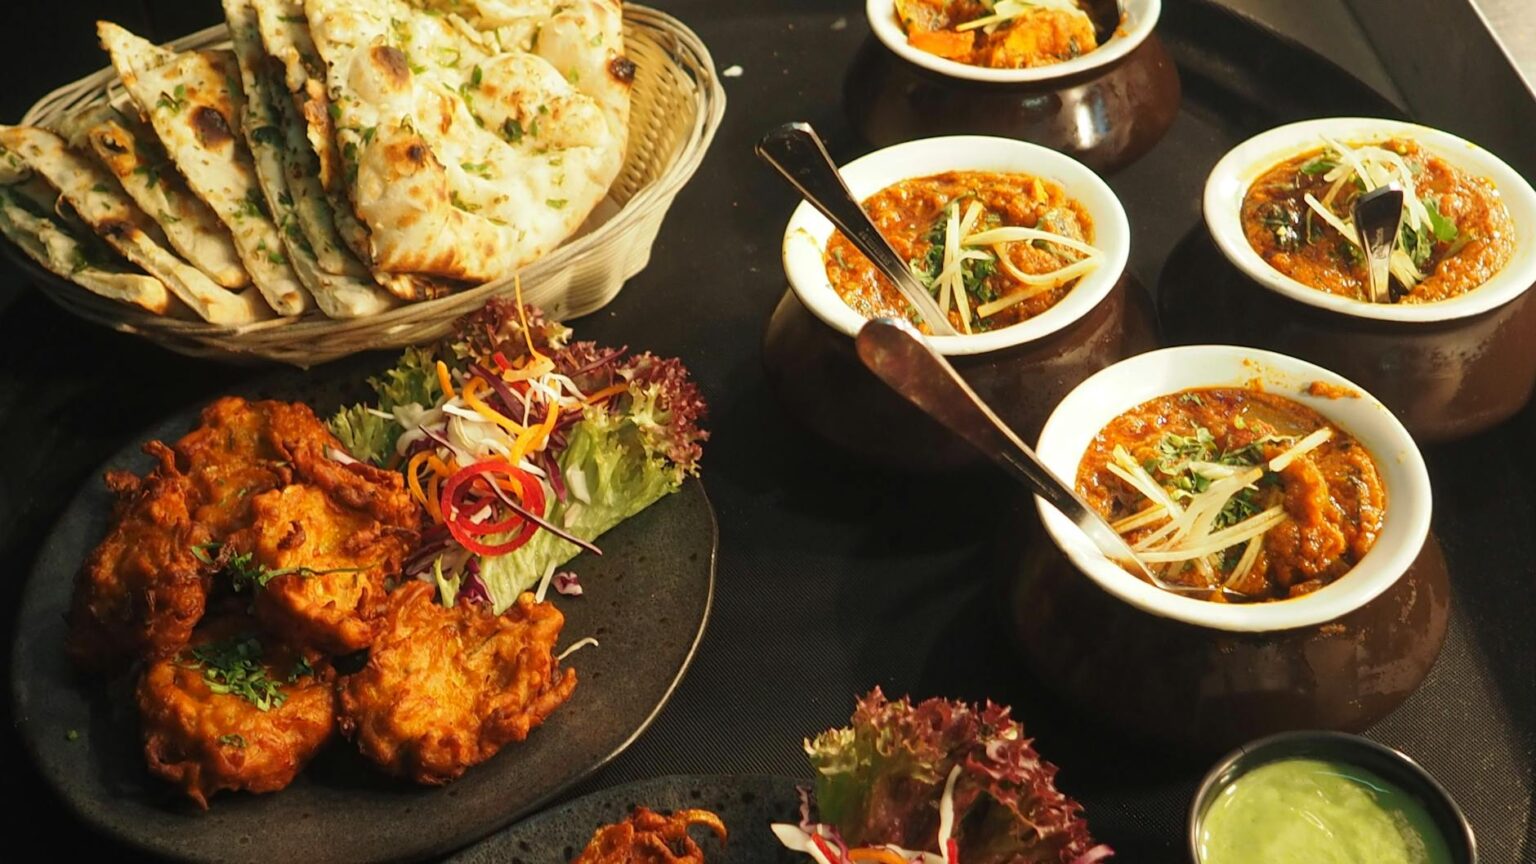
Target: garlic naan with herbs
{"points": [[473, 145]]}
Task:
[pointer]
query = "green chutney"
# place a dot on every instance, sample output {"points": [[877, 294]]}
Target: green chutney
{"points": [[1306, 811]]}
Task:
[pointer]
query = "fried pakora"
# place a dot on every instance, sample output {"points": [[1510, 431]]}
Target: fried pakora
{"points": [[648, 837], [257, 479], [234, 712], [323, 564], [142, 590], [446, 688]]}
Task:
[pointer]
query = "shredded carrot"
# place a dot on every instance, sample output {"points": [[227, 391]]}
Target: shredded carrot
{"points": [[413, 481], [434, 492], [444, 379], [440, 468], [522, 312], [472, 398], [876, 856], [612, 390]]}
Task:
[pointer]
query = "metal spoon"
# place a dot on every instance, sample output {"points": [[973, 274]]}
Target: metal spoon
{"points": [[903, 359], [1378, 216], [1106, 16], [797, 152]]}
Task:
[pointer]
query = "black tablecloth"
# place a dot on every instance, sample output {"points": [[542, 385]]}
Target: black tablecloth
{"points": [[832, 578]]}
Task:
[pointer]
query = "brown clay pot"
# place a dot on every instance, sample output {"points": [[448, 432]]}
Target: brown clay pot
{"points": [[820, 380], [1204, 690], [1445, 380], [1106, 117]]}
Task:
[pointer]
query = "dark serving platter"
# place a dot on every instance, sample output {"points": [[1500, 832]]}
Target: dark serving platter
{"points": [[646, 600], [747, 804]]}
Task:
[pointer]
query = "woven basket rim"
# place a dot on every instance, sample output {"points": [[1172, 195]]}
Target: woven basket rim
{"points": [[667, 31]]}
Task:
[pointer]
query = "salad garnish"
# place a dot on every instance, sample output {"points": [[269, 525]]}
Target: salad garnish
{"points": [[939, 782], [524, 447]]}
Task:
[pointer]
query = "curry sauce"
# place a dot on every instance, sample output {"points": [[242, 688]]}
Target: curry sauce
{"points": [[1326, 505], [913, 215], [1468, 238]]}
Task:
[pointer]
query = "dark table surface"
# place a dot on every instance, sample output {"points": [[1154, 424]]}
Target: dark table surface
{"points": [[832, 579]]}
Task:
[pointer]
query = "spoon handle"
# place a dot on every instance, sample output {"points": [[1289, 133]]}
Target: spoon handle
{"points": [[1378, 217], [900, 357], [797, 152]]}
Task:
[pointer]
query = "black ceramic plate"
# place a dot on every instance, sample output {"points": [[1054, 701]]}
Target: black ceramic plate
{"points": [[747, 804], [646, 600]]}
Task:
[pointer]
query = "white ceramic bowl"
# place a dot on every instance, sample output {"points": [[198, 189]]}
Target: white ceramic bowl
{"points": [[805, 240], [1229, 181], [1117, 389], [1141, 17]]}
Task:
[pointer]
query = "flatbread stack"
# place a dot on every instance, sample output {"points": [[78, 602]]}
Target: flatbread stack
{"points": [[341, 158]]}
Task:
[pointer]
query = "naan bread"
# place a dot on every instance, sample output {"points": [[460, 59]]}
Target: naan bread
{"points": [[338, 293], [285, 36], [136, 159], [467, 156], [194, 103], [98, 200], [78, 258]]}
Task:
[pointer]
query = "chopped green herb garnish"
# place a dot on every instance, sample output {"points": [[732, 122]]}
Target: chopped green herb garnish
{"points": [[557, 203], [173, 101], [235, 741], [233, 668]]}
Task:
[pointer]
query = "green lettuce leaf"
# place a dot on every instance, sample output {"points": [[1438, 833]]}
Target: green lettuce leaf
{"points": [[412, 381], [609, 457]]}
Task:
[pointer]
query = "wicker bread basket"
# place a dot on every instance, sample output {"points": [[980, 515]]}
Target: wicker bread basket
{"points": [[677, 104]]}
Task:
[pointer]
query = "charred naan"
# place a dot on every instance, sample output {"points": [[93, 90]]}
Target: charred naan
{"points": [[194, 102], [470, 152], [107, 209], [77, 257], [135, 158], [339, 294]]}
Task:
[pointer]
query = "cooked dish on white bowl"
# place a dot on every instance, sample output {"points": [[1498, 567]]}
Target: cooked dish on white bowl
{"points": [[1014, 240], [1279, 207], [1273, 493], [1005, 41]]}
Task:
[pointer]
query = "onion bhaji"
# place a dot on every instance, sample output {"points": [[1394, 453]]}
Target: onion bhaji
{"points": [[234, 712], [445, 688], [648, 837], [142, 589], [255, 479]]}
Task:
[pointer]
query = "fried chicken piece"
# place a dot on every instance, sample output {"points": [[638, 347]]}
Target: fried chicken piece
{"points": [[234, 711], [445, 689], [141, 590], [647, 837], [333, 562]]}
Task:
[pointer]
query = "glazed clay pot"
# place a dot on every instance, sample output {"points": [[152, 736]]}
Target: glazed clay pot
{"points": [[1205, 691], [1108, 117], [1106, 107], [1445, 380], [1448, 369], [1206, 676], [820, 380], [1021, 370]]}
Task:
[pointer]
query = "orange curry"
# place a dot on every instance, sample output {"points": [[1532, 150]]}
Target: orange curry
{"points": [[1213, 455], [1468, 239], [1034, 36], [914, 214]]}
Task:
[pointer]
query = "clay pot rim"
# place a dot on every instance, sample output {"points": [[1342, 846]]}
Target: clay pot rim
{"points": [[1354, 750], [1228, 184], [1140, 19], [806, 236], [1107, 394]]}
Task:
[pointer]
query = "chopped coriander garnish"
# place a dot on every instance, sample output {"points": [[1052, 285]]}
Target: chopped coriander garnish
{"points": [[233, 668], [173, 101], [235, 741]]}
